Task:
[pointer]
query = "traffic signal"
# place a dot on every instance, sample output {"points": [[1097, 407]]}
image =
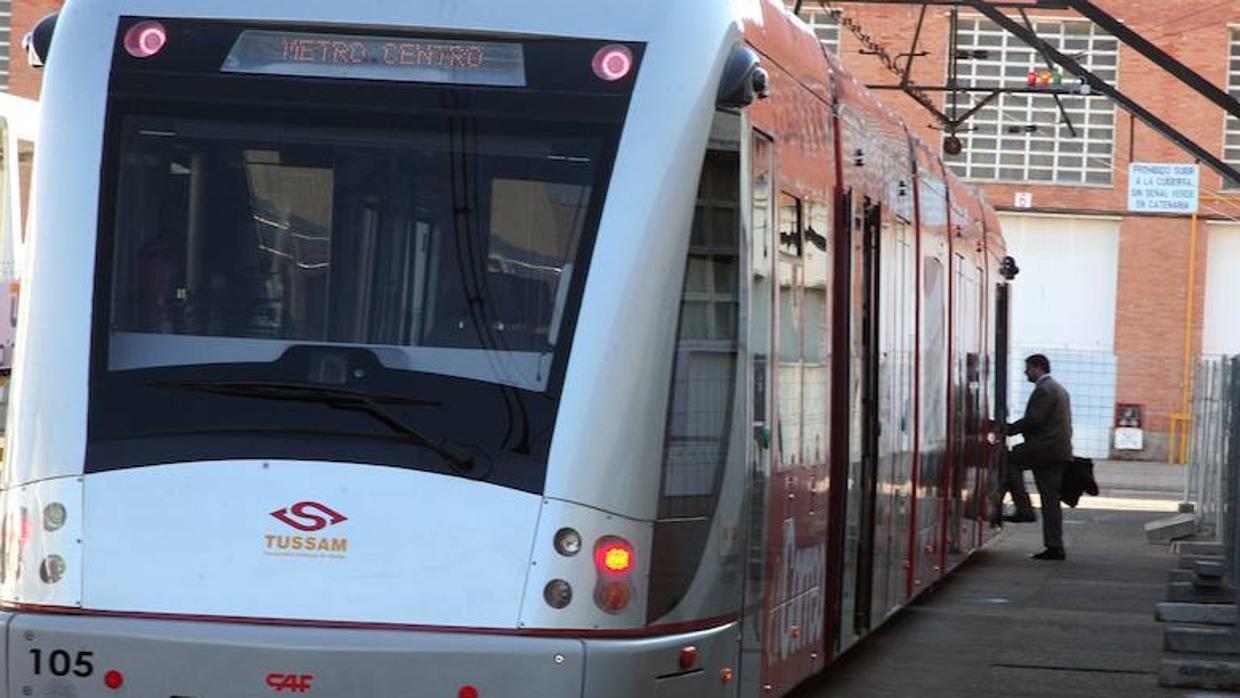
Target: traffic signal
{"points": [[1045, 78]]}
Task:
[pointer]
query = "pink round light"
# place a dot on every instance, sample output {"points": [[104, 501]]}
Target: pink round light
{"points": [[145, 39], [613, 62], [114, 679]]}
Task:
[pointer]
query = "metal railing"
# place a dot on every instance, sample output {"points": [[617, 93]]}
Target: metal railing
{"points": [[1212, 485], [1215, 408]]}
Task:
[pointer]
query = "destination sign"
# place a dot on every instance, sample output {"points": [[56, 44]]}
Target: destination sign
{"points": [[377, 58]]}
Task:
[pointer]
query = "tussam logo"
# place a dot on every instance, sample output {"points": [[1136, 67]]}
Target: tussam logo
{"points": [[309, 517], [303, 517]]}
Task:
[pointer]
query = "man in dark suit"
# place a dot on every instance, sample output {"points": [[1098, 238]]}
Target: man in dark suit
{"points": [[1047, 450]]}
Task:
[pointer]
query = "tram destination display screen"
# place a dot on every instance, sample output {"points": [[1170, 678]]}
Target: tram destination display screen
{"points": [[302, 54]]}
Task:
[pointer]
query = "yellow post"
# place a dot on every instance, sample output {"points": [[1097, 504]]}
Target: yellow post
{"points": [[1181, 423]]}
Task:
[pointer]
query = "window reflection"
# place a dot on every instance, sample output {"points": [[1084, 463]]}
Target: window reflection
{"points": [[434, 242]]}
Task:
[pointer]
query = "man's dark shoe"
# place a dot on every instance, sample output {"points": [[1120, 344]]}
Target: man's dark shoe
{"points": [[1020, 518], [1051, 554]]}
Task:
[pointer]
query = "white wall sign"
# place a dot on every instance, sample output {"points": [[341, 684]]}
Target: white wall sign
{"points": [[1024, 199], [1163, 188], [1129, 439]]}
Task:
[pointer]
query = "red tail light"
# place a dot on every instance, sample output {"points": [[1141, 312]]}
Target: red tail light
{"points": [[688, 657], [614, 557], [614, 597]]}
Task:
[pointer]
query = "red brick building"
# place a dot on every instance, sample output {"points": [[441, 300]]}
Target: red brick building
{"points": [[1104, 290]]}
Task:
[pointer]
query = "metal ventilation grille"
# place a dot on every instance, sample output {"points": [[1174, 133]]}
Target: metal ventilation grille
{"points": [[1231, 136], [6, 33]]}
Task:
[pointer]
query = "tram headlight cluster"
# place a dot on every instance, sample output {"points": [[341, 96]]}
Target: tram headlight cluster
{"points": [[41, 544], [614, 561]]}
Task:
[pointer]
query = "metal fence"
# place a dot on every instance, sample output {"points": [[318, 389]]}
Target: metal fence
{"points": [[1089, 377], [1213, 482], [1215, 409]]}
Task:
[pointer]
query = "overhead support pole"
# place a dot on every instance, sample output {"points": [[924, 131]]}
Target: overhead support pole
{"points": [[1161, 58], [1101, 86]]}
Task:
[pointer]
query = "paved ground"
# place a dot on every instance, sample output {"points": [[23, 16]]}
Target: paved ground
{"points": [[1005, 626]]}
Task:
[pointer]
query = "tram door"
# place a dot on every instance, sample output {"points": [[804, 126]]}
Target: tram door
{"points": [[866, 480], [761, 294], [966, 322], [861, 231], [1003, 304]]}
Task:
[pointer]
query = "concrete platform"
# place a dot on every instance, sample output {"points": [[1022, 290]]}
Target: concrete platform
{"points": [[1171, 528], [1199, 613], [1216, 672], [1007, 626]]}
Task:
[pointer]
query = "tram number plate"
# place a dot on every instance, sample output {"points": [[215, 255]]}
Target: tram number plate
{"points": [[62, 663]]}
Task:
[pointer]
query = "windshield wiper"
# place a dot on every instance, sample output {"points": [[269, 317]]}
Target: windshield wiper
{"points": [[338, 398]]}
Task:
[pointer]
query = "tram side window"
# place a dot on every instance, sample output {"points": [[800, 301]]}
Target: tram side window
{"points": [[703, 400]]}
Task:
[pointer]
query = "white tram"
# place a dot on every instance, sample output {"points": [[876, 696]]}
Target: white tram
{"points": [[476, 348]]}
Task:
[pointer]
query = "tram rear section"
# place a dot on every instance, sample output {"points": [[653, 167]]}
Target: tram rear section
{"points": [[425, 349]]}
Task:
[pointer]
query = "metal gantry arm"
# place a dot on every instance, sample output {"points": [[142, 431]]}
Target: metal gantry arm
{"points": [[1101, 86], [950, 123], [1161, 58]]}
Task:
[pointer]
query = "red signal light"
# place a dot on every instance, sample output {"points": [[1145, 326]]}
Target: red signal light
{"points": [[1033, 78], [614, 557], [614, 597], [145, 39], [613, 62]]}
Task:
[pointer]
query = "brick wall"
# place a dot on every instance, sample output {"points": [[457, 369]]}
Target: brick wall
{"points": [[1154, 250], [23, 80]]}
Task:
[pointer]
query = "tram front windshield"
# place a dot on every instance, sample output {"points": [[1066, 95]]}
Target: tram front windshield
{"points": [[443, 249], [334, 267]]}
